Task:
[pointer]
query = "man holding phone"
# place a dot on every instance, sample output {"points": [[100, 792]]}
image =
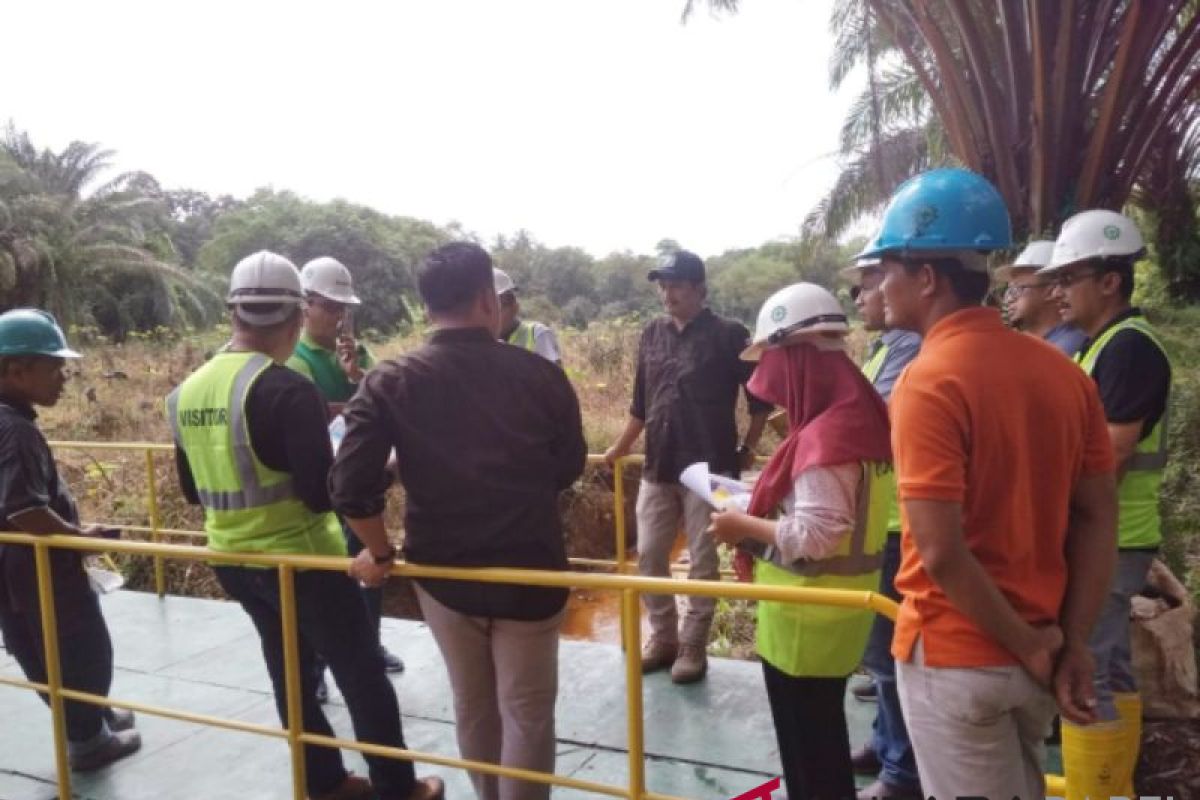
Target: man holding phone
{"points": [[328, 354]]}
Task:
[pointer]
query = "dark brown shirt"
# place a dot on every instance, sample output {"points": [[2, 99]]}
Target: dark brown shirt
{"points": [[686, 390], [486, 436]]}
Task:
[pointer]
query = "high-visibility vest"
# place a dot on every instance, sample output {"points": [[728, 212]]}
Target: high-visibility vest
{"points": [[248, 507], [827, 641], [872, 369], [1138, 522], [524, 336]]}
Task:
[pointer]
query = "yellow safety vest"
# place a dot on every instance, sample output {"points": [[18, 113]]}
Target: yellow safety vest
{"points": [[828, 641], [872, 369], [1139, 524], [248, 507]]}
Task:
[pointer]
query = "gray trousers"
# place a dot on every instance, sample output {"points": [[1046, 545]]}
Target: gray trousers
{"points": [[661, 509], [504, 674], [1109, 642], [977, 732]]}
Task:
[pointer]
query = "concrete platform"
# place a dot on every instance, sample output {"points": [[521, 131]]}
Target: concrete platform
{"points": [[709, 740]]}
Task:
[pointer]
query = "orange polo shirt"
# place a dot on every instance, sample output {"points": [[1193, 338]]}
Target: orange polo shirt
{"points": [[1003, 424]]}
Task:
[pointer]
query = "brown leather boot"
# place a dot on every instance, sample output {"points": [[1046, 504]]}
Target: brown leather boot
{"points": [[658, 655], [690, 665], [352, 787], [431, 788]]}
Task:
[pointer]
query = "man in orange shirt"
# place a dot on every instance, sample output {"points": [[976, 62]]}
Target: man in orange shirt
{"points": [[1005, 479]]}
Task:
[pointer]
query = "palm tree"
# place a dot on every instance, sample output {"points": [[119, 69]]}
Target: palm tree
{"points": [[80, 251], [1063, 104]]}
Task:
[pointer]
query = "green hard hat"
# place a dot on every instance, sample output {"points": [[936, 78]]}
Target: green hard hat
{"points": [[31, 332]]}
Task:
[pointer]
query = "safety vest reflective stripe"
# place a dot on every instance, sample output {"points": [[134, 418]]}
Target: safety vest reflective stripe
{"points": [[252, 494], [875, 363], [857, 561]]}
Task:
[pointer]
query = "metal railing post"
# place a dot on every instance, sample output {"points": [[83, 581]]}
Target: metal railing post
{"points": [[291, 673], [619, 513], [160, 575], [53, 667], [631, 628]]}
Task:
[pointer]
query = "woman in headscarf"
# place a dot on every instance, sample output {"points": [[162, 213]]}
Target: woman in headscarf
{"points": [[830, 482]]}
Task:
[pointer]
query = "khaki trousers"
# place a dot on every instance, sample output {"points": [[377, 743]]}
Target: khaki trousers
{"points": [[504, 674], [662, 508], [977, 732]]}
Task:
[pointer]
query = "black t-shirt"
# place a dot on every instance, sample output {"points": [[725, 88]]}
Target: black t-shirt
{"points": [[29, 479], [1133, 376], [287, 419]]}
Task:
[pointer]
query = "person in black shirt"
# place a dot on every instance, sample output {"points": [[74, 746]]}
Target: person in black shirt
{"points": [[684, 397], [486, 437], [35, 499], [1092, 267]]}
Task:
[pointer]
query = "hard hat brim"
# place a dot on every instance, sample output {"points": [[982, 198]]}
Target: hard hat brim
{"points": [[350, 299]]}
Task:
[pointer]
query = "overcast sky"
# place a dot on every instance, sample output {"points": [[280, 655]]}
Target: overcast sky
{"points": [[604, 124]]}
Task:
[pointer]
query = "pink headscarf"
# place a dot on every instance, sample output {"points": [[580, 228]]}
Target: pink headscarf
{"points": [[835, 416]]}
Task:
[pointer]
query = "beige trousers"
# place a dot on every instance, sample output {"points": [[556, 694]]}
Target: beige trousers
{"points": [[504, 674], [661, 509], [977, 732]]}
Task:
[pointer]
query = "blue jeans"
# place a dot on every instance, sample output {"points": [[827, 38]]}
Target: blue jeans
{"points": [[889, 737], [333, 621], [1109, 641]]}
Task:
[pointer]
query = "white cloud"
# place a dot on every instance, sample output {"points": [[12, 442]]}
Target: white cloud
{"points": [[602, 124]]}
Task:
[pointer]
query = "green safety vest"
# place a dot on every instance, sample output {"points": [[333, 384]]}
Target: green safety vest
{"points": [[1138, 521], [248, 507], [523, 336], [828, 641], [321, 365], [872, 369]]}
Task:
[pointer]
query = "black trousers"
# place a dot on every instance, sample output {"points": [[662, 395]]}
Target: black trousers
{"points": [[84, 652], [333, 622], [810, 727]]}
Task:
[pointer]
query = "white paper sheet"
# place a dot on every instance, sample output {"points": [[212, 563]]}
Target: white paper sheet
{"points": [[718, 491]]}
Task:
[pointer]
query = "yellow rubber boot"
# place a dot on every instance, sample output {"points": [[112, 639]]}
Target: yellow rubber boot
{"points": [[1056, 786], [1129, 709], [1094, 757]]}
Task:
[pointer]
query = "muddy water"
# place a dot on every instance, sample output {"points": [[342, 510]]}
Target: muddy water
{"points": [[595, 616]]}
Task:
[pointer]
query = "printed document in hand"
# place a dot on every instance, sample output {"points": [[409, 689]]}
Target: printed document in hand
{"points": [[718, 491], [337, 431]]}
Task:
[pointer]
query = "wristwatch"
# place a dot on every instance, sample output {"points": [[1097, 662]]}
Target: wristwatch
{"points": [[389, 558], [743, 449]]}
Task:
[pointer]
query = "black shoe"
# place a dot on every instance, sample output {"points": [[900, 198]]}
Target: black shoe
{"points": [[322, 691], [119, 719], [121, 744], [865, 692], [391, 661]]}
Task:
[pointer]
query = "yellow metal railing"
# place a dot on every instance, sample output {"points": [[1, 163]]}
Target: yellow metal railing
{"points": [[630, 587], [156, 531]]}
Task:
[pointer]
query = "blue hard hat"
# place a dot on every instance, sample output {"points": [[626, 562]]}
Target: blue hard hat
{"points": [[943, 210]]}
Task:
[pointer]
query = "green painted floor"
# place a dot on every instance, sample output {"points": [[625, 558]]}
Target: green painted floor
{"points": [[709, 740]]}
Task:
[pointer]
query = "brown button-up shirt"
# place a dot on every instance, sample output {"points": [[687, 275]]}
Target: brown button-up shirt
{"points": [[685, 391], [486, 436]]}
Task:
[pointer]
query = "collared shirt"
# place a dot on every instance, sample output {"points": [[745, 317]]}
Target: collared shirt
{"points": [[486, 437], [685, 391], [1001, 424], [328, 375], [903, 347], [29, 479], [1132, 374], [1066, 337]]}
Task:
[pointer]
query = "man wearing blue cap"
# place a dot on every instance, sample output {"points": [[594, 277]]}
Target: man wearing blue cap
{"points": [[684, 397]]}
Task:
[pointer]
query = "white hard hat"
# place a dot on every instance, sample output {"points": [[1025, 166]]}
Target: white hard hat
{"points": [[264, 278], [1095, 234], [1035, 256], [797, 309], [329, 277], [503, 282]]}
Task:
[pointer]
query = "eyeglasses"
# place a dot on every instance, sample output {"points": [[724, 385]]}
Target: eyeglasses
{"points": [[330, 306], [1016, 290], [1064, 280]]}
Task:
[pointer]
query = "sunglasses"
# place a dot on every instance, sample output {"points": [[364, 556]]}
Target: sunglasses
{"points": [[325, 304]]}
